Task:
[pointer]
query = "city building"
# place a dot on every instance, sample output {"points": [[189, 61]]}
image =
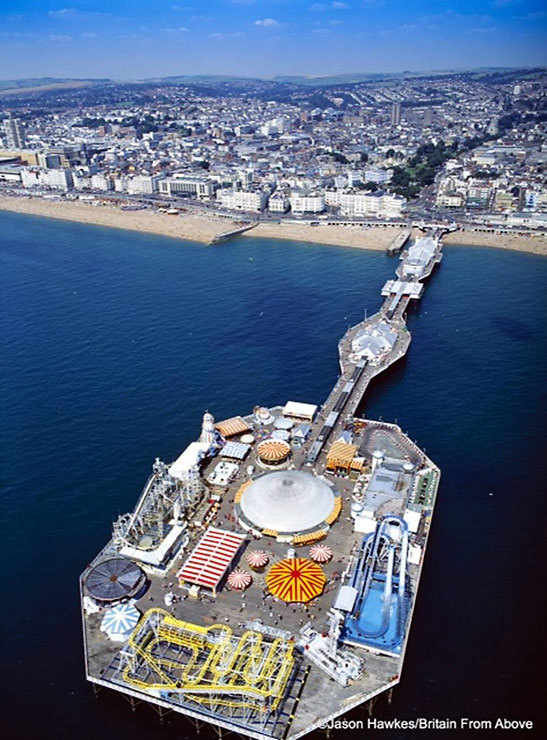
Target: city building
{"points": [[278, 203], [395, 114], [14, 134], [58, 179], [377, 174], [243, 200], [144, 184], [302, 202], [191, 185], [449, 200]]}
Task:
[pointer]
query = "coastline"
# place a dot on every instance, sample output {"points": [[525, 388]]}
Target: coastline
{"points": [[203, 228], [188, 227], [533, 243]]}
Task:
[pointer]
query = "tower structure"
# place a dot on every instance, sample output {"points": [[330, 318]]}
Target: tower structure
{"points": [[208, 432]]}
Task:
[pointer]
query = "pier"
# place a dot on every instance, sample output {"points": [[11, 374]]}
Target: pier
{"points": [[225, 235], [357, 374], [399, 242], [207, 650]]}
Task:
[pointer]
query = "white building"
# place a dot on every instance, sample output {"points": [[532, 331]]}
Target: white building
{"points": [[374, 342], [307, 202], [58, 179], [449, 200], [275, 126], [376, 174], [243, 200], [196, 187], [484, 157], [30, 178], [10, 173], [81, 181], [377, 204], [144, 184], [120, 184], [278, 203], [101, 182]]}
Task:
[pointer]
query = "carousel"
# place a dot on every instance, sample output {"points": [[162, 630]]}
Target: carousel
{"points": [[272, 453]]}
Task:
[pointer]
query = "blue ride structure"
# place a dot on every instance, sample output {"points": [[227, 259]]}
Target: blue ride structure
{"points": [[379, 615]]}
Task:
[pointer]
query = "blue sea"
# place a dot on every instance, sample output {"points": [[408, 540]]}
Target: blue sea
{"points": [[114, 344]]}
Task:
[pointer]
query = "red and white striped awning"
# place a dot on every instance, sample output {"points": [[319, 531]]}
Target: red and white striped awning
{"points": [[320, 553], [211, 558], [239, 579], [257, 559]]}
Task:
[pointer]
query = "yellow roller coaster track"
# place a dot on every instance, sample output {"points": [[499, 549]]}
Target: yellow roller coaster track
{"points": [[220, 668]]}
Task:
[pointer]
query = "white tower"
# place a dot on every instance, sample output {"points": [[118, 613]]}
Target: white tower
{"points": [[208, 429], [377, 459]]}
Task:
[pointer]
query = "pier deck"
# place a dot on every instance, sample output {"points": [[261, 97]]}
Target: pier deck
{"points": [[312, 697]]}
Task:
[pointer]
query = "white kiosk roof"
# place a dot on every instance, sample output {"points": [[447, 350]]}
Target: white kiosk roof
{"points": [[300, 410], [346, 598]]}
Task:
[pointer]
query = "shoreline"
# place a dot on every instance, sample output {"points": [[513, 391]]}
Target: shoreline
{"points": [[203, 228]]}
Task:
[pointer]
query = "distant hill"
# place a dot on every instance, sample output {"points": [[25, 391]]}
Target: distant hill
{"points": [[277, 87], [41, 84]]}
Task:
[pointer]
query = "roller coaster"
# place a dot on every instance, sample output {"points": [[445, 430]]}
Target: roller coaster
{"points": [[208, 665], [380, 623]]}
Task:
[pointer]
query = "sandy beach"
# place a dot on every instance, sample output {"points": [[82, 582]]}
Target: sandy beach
{"points": [[534, 243], [203, 228], [189, 227], [375, 237]]}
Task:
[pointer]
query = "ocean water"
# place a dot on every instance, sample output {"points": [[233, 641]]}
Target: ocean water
{"points": [[114, 343]]}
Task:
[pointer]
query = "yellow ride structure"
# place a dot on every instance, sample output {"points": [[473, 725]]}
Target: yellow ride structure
{"points": [[209, 665]]}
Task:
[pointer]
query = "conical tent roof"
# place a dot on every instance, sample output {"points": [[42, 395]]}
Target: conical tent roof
{"points": [[296, 580], [121, 619]]}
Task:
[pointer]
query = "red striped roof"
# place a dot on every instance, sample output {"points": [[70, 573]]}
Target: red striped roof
{"points": [[211, 557]]}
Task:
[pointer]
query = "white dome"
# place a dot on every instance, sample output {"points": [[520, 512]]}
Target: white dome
{"points": [[287, 501]]}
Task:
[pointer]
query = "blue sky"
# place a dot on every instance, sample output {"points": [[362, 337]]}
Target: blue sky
{"points": [[130, 39]]}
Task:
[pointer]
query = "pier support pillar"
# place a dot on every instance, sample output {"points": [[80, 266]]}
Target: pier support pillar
{"points": [[161, 711], [390, 696]]}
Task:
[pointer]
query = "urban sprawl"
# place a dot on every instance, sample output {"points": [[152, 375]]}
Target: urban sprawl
{"points": [[466, 147]]}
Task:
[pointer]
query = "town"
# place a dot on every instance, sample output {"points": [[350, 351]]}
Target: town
{"points": [[467, 147]]}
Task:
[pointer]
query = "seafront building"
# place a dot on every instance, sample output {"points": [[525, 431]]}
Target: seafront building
{"points": [[346, 158], [243, 200]]}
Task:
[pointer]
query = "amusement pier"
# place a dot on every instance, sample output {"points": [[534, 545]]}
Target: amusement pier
{"points": [[265, 581]]}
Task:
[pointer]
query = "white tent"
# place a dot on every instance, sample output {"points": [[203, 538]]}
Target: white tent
{"points": [[120, 621]]}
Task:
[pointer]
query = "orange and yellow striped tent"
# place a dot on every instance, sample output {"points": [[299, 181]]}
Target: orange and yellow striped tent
{"points": [[296, 580]]}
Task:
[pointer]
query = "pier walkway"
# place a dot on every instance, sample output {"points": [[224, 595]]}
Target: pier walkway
{"points": [[357, 372], [399, 242], [225, 235]]}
